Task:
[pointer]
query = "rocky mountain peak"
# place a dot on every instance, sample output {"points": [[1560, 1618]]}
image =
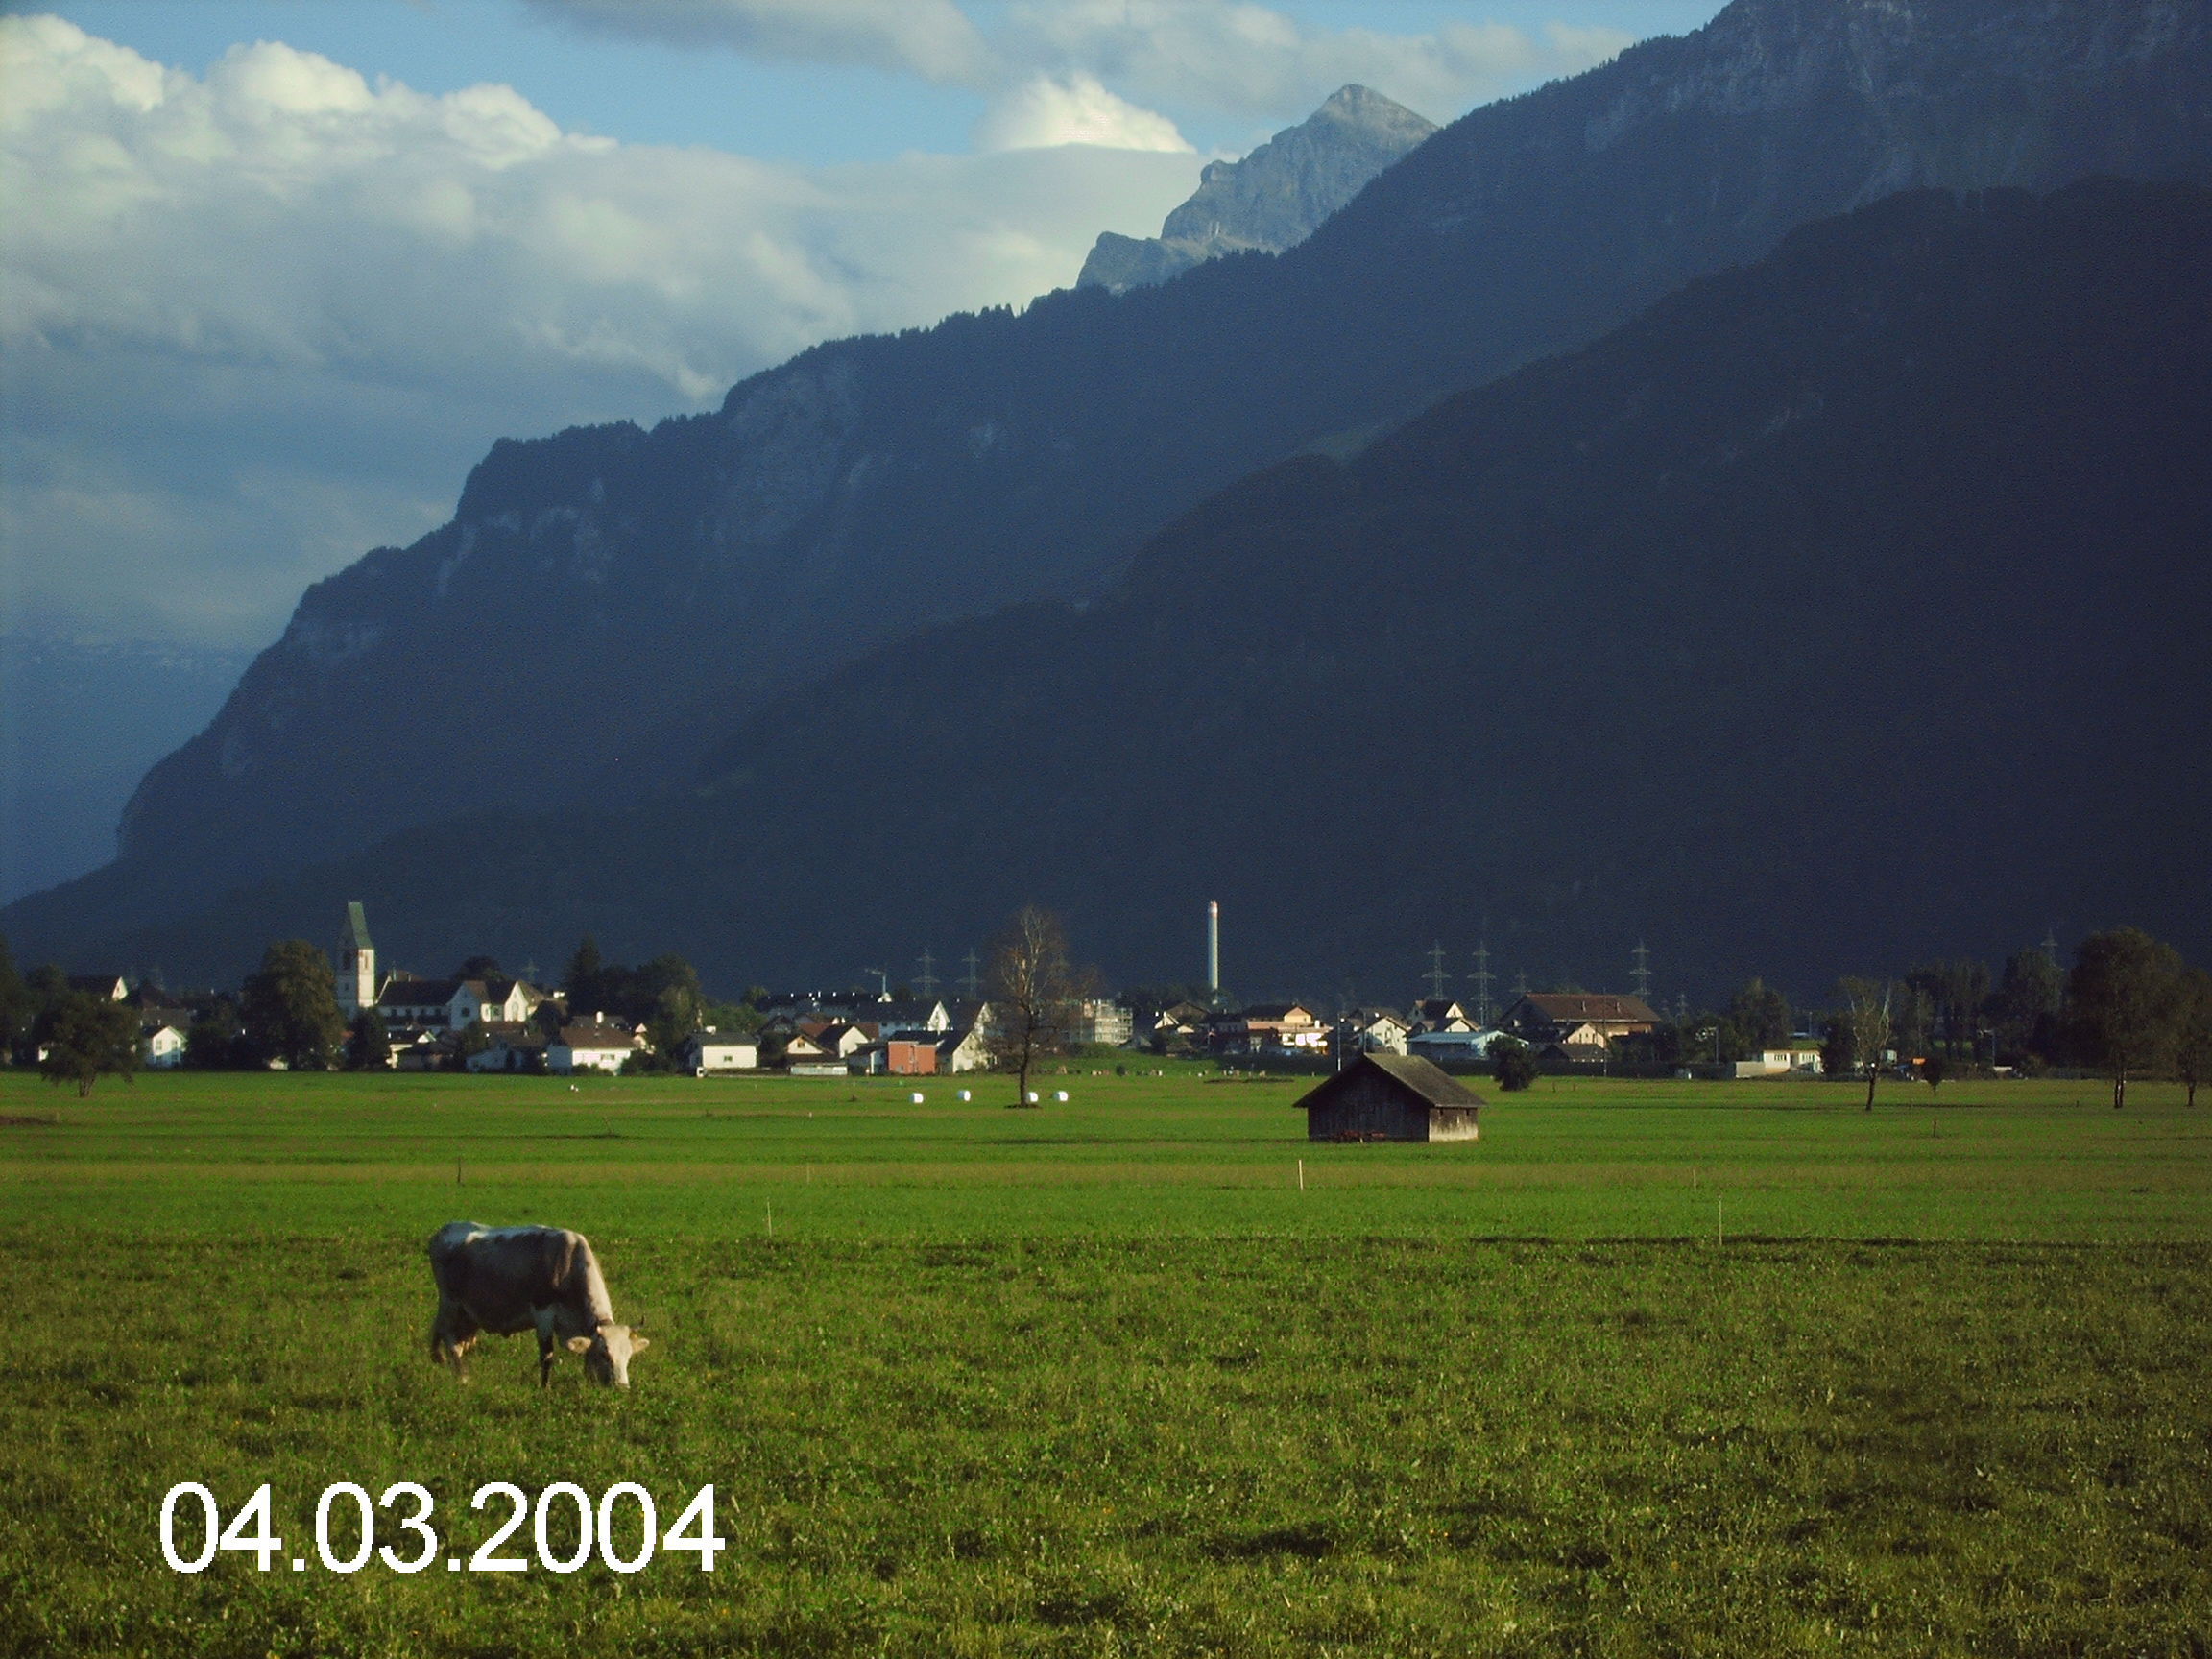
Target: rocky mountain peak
{"points": [[1271, 200]]}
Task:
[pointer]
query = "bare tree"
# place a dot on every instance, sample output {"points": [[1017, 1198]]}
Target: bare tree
{"points": [[1033, 993], [1866, 1016]]}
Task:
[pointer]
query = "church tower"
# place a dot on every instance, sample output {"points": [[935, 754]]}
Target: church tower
{"points": [[356, 964]]}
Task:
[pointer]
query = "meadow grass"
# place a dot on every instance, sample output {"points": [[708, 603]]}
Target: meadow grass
{"points": [[1101, 1379]]}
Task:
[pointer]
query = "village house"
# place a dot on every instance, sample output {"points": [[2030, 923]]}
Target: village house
{"points": [[1803, 1058], [913, 1056], [900, 1019], [1178, 1025], [1575, 1022], [598, 1046], [1391, 1097], [514, 1045], [1373, 1030], [1468, 1046], [452, 1004], [161, 1046], [1440, 1014], [1282, 1026], [709, 1050], [1098, 1022]]}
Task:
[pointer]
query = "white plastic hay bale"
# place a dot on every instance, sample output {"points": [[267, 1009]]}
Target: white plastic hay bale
{"points": [[1060, 1095], [916, 1097], [963, 1096], [1033, 1096]]}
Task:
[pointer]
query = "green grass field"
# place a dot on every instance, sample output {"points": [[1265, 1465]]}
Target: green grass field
{"points": [[1652, 1368]]}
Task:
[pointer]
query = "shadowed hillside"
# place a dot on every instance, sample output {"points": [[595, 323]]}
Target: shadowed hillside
{"points": [[1842, 608], [607, 604]]}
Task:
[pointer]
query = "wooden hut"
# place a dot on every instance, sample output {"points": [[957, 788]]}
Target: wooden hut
{"points": [[1382, 1096]]}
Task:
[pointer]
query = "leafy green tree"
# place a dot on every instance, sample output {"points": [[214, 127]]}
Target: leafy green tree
{"points": [[291, 1007], [1932, 1070], [1839, 1056], [474, 1040], [17, 1003], [480, 968], [2122, 999], [2193, 1029], [1761, 1015], [368, 1045], [1513, 1064], [1962, 1000], [1867, 1004], [582, 979], [213, 1042], [1911, 1021], [87, 1038], [2025, 1004]]}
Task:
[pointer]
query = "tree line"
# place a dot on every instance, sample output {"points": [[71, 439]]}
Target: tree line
{"points": [[2130, 1007]]}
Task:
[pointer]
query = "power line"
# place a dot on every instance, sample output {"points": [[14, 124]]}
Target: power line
{"points": [[971, 981], [927, 977], [1435, 975], [1640, 973], [1482, 979]]}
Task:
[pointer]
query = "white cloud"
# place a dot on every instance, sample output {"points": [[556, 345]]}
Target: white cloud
{"points": [[932, 39], [1251, 61], [1232, 56], [256, 321], [1048, 111]]}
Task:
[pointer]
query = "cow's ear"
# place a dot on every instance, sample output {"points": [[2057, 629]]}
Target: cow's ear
{"points": [[639, 1344], [579, 1344]]}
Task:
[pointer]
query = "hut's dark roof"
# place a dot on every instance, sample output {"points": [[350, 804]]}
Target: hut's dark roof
{"points": [[1424, 1077]]}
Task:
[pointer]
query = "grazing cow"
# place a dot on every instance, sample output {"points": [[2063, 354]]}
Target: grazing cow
{"points": [[507, 1280]]}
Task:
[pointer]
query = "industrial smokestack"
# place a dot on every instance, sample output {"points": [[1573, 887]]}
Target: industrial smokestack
{"points": [[1213, 949]]}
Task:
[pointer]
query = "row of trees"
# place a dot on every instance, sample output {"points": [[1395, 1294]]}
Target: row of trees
{"points": [[2130, 1008]]}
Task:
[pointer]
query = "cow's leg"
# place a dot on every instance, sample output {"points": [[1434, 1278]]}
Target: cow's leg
{"points": [[452, 1334], [546, 1348]]}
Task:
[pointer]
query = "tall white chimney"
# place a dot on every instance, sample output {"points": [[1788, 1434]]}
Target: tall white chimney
{"points": [[1214, 947]]}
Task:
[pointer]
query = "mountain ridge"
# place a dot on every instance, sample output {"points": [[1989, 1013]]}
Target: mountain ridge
{"points": [[635, 596], [1273, 199], [1838, 609]]}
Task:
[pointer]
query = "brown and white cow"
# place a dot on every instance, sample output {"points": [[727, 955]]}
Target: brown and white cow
{"points": [[507, 1280]]}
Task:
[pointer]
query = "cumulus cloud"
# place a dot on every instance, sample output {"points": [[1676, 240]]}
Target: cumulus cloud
{"points": [[1251, 61], [257, 321], [1073, 110], [930, 38], [1232, 56]]}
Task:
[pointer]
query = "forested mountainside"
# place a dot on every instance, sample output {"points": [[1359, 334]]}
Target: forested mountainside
{"points": [[1840, 609], [607, 604], [1271, 200]]}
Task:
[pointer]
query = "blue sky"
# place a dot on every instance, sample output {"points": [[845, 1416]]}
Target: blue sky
{"points": [[274, 273]]}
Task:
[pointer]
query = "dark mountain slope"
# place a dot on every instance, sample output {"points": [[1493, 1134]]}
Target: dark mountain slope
{"points": [[608, 602], [1842, 608]]}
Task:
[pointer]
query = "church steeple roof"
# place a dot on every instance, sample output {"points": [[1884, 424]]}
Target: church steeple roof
{"points": [[356, 934]]}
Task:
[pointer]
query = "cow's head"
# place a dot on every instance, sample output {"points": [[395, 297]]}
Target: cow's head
{"points": [[607, 1354]]}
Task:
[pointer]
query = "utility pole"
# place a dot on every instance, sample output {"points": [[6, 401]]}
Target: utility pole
{"points": [[1641, 974], [1681, 1008], [1436, 975], [926, 979], [971, 981], [1519, 983], [1482, 979]]}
